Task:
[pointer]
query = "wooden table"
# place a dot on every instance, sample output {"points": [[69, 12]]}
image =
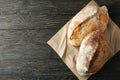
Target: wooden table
{"points": [[26, 26]]}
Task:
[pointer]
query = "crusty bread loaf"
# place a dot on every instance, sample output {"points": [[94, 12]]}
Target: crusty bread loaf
{"points": [[93, 53], [100, 55], [78, 30]]}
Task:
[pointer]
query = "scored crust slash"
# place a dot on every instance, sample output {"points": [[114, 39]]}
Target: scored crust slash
{"points": [[89, 36]]}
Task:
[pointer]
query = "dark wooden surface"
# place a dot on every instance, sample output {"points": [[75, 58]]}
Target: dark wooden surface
{"points": [[26, 26]]}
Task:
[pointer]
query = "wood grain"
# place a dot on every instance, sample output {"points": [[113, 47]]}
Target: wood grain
{"points": [[26, 26]]}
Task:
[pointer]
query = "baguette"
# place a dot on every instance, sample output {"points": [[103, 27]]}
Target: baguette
{"points": [[93, 53], [79, 29]]}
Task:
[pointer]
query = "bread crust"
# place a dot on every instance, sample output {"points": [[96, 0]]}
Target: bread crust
{"points": [[100, 55], [96, 22], [93, 53]]}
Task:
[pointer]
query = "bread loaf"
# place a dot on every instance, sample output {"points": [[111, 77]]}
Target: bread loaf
{"points": [[79, 29], [92, 54]]}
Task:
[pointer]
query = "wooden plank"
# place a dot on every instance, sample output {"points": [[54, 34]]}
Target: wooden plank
{"points": [[23, 52], [40, 14]]}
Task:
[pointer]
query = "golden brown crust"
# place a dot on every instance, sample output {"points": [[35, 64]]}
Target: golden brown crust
{"points": [[103, 18], [86, 52], [93, 53], [81, 17], [100, 55], [81, 31], [97, 22]]}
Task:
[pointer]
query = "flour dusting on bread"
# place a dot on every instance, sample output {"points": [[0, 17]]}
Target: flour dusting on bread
{"points": [[86, 52]]}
